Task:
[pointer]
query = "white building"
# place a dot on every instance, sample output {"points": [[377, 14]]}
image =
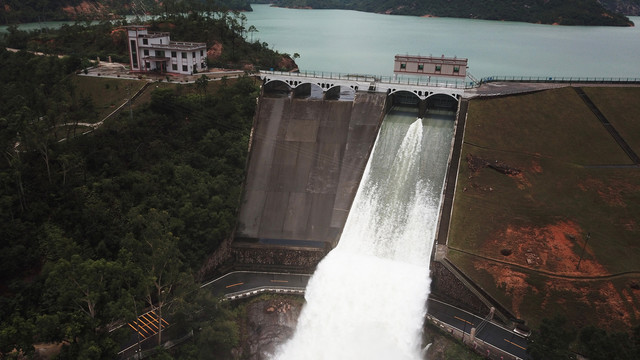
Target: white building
{"points": [[430, 66], [154, 51]]}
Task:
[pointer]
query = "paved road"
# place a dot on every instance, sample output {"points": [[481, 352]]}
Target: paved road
{"points": [[242, 283], [490, 333]]}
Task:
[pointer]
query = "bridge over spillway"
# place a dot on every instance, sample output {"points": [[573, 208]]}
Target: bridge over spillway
{"points": [[332, 83]]}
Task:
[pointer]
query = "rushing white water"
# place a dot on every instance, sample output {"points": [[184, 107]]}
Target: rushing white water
{"points": [[367, 298]]}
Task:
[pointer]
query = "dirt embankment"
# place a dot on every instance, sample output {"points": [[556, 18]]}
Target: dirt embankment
{"points": [[88, 9]]}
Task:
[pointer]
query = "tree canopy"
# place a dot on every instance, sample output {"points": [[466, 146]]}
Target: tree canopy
{"points": [[99, 227]]}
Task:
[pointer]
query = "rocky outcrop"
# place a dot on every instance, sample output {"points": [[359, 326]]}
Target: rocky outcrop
{"points": [[215, 51], [276, 258], [627, 7], [86, 8], [286, 62], [269, 323]]}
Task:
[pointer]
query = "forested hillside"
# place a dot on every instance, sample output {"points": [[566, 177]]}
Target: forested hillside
{"points": [[562, 12], [626, 7], [21, 11], [97, 227], [226, 31]]}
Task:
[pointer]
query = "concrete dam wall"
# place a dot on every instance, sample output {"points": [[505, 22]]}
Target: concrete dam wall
{"points": [[306, 161]]}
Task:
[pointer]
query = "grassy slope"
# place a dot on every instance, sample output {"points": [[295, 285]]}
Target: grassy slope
{"points": [[107, 94], [622, 109], [547, 211]]}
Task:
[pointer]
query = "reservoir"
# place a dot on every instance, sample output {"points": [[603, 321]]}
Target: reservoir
{"points": [[364, 43], [344, 41]]}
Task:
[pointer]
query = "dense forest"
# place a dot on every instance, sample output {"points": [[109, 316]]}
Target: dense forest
{"points": [[626, 7], [562, 12], [96, 228], [21, 11]]}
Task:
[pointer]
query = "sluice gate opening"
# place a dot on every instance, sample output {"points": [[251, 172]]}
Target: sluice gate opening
{"points": [[433, 103], [309, 90]]}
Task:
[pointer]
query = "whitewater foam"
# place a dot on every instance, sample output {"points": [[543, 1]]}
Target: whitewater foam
{"points": [[366, 299]]}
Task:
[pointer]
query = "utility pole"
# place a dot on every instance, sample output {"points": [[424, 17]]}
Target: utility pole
{"points": [[584, 247]]}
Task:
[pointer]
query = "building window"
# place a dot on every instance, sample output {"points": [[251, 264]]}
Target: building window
{"points": [[456, 69], [438, 68], [420, 67], [134, 54], [184, 67], [193, 54], [403, 66], [201, 53], [173, 54], [184, 55], [146, 53], [160, 53], [145, 42], [174, 67]]}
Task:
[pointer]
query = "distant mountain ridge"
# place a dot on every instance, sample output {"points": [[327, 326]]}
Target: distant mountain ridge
{"points": [[21, 11], [558, 12], [562, 12], [626, 7]]}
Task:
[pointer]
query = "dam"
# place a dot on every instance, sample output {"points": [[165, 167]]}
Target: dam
{"points": [[346, 181], [311, 142]]}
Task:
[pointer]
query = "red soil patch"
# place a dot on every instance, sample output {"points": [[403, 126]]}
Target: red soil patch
{"points": [[611, 192], [536, 167], [215, 51], [556, 249], [605, 303], [513, 283], [552, 248], [84, 8]]}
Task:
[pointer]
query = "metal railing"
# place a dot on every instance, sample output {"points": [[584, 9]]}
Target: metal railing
{"points": [[456, 84], [264, 289], [560, 79]]}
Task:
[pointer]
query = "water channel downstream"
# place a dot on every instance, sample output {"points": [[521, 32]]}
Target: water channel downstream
{"points": [[367, 298]]}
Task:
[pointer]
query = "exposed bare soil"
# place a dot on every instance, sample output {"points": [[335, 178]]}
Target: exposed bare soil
{"points": [[556, 249]]}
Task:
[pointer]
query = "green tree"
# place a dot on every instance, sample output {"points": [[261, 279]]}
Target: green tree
{"points": [[214, 325], [161, 260], [252, 29], [597, 344], [88, 296], [551, 341], [201, 84], [17, 333]]}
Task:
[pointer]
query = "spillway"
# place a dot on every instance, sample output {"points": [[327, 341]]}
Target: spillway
{"points": [[366, 299]]}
